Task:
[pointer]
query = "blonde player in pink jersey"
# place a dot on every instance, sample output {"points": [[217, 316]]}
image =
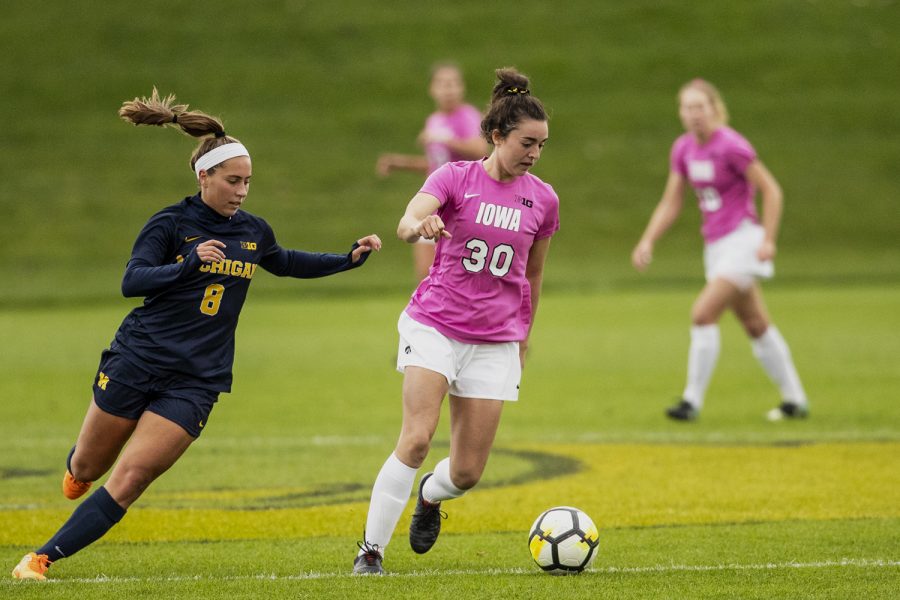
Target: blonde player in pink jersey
{"points": [[725, 173], [466, 327], [452, 132]]}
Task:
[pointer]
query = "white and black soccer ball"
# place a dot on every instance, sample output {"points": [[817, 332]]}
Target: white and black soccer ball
{"points": [[563, 540]]}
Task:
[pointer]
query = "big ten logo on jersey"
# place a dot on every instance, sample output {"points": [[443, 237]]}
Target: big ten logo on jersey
{"points": [[524, 201], [248, 245]]}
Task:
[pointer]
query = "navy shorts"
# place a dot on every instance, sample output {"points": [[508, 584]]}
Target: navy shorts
{"points": [[124, 390]]}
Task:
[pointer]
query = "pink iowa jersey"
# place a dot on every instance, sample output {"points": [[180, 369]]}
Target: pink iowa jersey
{"points": [[464, 123], [476, 291], [716, 172]]}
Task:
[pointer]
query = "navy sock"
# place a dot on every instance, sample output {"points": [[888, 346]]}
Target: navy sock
{"points": [[90, 521], [69, 459]]}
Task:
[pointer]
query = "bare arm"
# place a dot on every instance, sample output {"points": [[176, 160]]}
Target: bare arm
{"points": [[390, 162], [419, 220], [664, 215], [534, 273], [772, 202], [469, 149]]}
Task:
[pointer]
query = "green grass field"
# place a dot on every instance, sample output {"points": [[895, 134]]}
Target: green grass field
{"points": [[318, 90], [269, 502], [271, 499]]}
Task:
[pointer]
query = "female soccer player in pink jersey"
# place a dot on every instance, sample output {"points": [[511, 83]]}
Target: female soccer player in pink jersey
{"points": [[452, 132], [725, 173], [465, 330]]}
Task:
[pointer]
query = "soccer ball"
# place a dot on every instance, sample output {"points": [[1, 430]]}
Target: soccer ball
{"points": [[563, 540]]}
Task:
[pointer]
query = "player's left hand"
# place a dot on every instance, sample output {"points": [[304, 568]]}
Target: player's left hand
{"points": [[211, 251], [766, 251], [366, 244]]}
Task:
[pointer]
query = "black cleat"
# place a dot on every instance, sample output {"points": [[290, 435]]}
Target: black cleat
{"points": [[683, 411], [788, 410], [426, 522], [369, 562]]}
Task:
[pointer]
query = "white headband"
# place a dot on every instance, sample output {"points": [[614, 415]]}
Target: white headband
{"points": [[219, 155]]}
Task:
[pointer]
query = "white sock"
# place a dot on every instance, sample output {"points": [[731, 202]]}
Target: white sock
{"points": [[702, 357], [389, 497], [773, 353], [438, 487]]}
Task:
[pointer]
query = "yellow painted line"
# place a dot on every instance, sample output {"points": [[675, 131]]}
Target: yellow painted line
{"points": [[622, 485]]}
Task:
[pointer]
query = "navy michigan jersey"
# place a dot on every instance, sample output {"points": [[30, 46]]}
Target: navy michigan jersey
{"points": [[183, 334]]}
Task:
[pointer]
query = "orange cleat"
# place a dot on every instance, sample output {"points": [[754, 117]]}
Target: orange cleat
{"points": [[72, 488], [32, 566]]}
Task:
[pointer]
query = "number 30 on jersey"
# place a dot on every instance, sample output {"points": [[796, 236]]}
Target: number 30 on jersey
{"points": [[497, 259]]}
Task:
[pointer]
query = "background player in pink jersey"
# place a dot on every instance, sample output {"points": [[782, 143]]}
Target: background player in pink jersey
{"points": [[725, 173], [452, 132], [466, 327]]}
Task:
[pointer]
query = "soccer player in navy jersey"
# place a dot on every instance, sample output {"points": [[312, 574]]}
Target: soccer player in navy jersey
{"points": [[172, 356]]}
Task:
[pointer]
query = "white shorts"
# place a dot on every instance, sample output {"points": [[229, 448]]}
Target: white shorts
{"points": [[488, 371], [733, 257]]}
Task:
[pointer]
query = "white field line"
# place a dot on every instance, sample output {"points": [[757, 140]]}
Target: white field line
{"points": [[826, 564]]}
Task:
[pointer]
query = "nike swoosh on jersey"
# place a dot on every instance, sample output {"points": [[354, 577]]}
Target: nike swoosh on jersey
{"points": [[192, 238], [470, 195]]}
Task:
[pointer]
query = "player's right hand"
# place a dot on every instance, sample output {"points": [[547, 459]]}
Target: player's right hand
{"points": [[210, 251], [642, 256], [384, 165], [432, 228]]}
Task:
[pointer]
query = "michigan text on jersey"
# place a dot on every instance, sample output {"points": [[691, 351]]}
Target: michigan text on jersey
{"points": [[235, 268]]}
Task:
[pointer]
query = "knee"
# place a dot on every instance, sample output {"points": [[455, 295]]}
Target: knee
{"points": [[413, 448], [84, 469], [133, 480], [465, 478], [701, 317], [755, 327]]}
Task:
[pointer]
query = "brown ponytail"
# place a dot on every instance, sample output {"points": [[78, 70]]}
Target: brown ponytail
{"points": [[162, 112], [511, 101]]}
